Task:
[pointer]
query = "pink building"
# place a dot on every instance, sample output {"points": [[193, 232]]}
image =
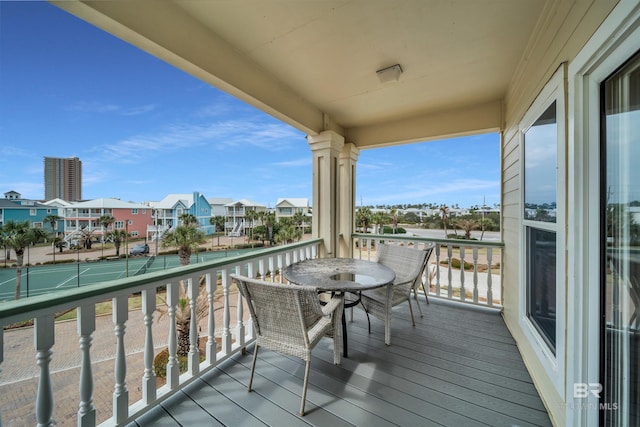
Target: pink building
{"points": [[133, 217]]}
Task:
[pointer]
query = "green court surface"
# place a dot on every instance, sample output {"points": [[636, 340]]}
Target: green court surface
{"points": [[42, 279]]}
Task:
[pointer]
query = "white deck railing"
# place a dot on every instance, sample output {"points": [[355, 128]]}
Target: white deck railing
{"points": [[233, 337], [480, 282]]}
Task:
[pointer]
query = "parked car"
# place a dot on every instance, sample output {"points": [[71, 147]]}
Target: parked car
{"points": [[139, 249]]}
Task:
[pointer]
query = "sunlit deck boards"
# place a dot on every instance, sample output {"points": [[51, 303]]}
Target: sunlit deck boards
{"points": [[458, 367]]}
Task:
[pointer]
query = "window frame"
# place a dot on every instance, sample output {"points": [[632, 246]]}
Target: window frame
{"points": [[553, 360]]}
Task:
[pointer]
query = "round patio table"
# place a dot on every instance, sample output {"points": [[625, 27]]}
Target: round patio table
{"points": [[340, 275]]}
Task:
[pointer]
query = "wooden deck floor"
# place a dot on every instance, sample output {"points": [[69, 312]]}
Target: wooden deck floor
{"points": [[458, 367]]}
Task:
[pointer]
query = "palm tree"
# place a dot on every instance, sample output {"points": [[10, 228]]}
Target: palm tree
{"points": [[105, 221], [299, 219], [183, 316], [186, 237], [363, 218], [117, 236], [53, 221], [188, 219], [269, 219], [251, 215], [379, 219], [288, 233], [444, 214], [85, 238], [394, 219], [18, 235], [467, 224], [218, 221]]}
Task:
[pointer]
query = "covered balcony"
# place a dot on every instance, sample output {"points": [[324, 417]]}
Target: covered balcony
{"points": [[352, 76]]}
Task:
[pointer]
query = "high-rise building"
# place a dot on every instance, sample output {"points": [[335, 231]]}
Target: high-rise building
{"points": [[63, 179]]}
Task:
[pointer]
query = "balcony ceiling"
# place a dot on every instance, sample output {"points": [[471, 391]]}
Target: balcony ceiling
{"points": [[313, 63]]}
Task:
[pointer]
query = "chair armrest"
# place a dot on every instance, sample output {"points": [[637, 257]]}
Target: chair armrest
{"points": [[334, 302]]}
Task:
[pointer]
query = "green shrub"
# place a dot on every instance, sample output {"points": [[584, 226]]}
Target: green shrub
{"points": [[389, 230], [455, 263]]}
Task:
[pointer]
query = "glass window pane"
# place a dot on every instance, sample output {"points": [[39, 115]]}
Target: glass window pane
{"points": [[540, 164], [620, 283], [541, 283]]}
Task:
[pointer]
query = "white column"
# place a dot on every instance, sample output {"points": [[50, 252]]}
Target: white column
{"points": [[347, 200], [326, 148]]}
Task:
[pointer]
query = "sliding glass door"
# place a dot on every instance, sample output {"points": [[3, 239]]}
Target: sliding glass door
{"points": [[620, 218]]}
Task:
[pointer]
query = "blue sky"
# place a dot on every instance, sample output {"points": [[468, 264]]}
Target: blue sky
{"points": [[144, 129]]}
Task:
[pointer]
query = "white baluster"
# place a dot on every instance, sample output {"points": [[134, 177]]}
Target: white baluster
{"points": [[226, 317], [463, 295], [449, 271], [173, 368], [437, 269], [489, 290], [149, 376], [475, 274], [120, 393], [193, 357], [210, 284], [86, 327], [280, 268], [240, 332], [44, 340]]}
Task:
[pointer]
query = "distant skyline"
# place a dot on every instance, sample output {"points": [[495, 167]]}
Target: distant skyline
{"points": [[144, 129]]}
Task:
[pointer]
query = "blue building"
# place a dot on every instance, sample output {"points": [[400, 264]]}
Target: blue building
{"points": [[14, 208]]}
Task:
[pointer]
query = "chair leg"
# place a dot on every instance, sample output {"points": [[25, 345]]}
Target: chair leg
{"points": [[253, 366], [415, 295], [387, 329], [413, 321], [304, 387]]}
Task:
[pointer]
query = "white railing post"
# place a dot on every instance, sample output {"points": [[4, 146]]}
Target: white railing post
{"points": [[44, 339], [489, 284], [279, 260], [239, 307], [438, 269], [463, 291], [193, 288], [120, 393], [226, 317], [449, 271], [211, 283], [173, 368], [149, 376], [475, 274], [86, 327]]}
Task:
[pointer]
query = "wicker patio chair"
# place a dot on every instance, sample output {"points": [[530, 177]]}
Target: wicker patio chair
{"points": [[289, 319], [424, 278], [408, 264]]}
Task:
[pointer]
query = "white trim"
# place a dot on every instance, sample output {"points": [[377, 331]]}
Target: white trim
{"points": [[554, 364], [615, 41]]}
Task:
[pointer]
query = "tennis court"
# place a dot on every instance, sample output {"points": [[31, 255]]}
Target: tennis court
{"points": [[42, 279]]}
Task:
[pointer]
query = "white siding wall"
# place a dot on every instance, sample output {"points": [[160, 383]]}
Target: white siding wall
{"points": [[562, 32]]}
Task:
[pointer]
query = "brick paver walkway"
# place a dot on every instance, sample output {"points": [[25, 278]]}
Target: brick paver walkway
{"points": [[19, 376]]}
